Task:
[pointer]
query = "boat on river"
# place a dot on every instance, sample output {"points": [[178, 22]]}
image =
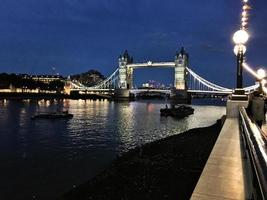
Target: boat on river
{"points": [[180, 111], [53, 115]]}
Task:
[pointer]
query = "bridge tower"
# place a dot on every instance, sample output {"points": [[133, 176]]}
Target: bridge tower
{"points": [[125, 73], [181, 62], [125, 77], [179, 93]]}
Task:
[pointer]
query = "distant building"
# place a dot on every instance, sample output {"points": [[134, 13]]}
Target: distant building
{"points": [[153, 85], [43, 78], [90, 78], [94, 78]]}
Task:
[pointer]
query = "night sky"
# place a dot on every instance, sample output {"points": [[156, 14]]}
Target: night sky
{"points": [[75, 36]]}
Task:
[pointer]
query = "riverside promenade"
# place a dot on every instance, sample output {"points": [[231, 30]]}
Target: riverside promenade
{"points": [[223, 175], [226, 173]]}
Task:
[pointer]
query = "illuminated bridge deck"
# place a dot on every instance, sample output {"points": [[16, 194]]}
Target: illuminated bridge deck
{"points": [[224, 175]]}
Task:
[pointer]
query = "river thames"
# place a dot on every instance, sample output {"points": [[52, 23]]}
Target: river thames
{"points": [[41, 159]]}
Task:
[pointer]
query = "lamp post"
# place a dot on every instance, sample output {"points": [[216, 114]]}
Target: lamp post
{"points": [[240, 38], [239, 51]]}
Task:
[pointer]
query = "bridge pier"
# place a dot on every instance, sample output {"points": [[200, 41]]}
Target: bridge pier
{"points": [[180, 97], [122, 94]]}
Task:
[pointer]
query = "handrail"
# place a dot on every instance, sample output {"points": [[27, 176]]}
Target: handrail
{"points": [[256, 143]]}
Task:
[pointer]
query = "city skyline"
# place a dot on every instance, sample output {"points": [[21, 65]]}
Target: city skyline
{"points": [[75, 36]]}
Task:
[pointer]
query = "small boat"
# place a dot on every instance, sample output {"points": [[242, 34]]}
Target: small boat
{"points": [[177, 112], [53, 115]]}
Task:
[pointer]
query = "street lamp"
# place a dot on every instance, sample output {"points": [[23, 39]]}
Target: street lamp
{"points": [[240, 38]]}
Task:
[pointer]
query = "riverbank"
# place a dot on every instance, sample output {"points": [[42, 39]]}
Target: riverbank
{"points": [[25, 95], [164, 169]]}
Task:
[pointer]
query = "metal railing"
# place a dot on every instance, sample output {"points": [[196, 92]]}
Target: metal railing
{"points": [[256, 149]]}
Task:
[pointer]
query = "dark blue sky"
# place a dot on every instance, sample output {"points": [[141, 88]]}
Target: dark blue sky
{"points": [[77, 35]]}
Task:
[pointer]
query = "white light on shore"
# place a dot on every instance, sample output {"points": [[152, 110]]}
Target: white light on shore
{"points": [[244, 19], [240, 37], [244, 23], [263, 83], [246, 7], [250, 70], [240, 48], [261, 73]]}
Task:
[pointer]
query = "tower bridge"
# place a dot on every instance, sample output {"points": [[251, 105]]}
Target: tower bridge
{"points": [[126, 67], [186, 81]]}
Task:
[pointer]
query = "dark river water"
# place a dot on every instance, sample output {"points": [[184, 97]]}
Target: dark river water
{"points": [[41, 159]]}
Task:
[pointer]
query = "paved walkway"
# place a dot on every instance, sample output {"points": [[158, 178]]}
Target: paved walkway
{"points": [[224, 174]]}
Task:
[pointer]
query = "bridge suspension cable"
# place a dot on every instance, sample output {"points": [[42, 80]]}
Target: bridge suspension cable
{"points": [[108, 83], [111, 79], [206, 83], [213, 87]]}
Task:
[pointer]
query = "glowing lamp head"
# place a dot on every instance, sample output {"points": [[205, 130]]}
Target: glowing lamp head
{"points": [[246, 7], [240, 48], [244, 19], [244, 13], [261, 73], [240, 37], [244, 23]]}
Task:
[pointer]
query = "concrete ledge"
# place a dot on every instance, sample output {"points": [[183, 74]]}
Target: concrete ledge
{"points": [[232, 108], [224, 175]]}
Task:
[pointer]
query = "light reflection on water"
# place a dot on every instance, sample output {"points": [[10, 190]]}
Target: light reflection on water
{"points": [[54, 155], [139, 122]]}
